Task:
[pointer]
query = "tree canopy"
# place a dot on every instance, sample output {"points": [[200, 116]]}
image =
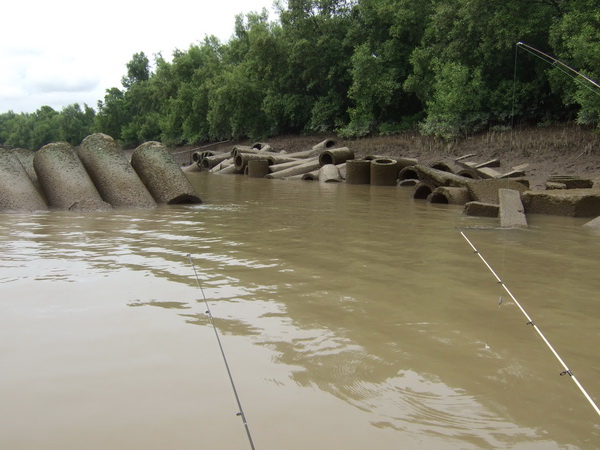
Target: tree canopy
{"points": [[448, 68]]}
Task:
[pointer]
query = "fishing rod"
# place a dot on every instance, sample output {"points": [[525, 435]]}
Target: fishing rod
{"points": [[561, 66], [530, 321], [235, 393]]}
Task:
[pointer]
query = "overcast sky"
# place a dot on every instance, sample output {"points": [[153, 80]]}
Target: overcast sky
{"points": [[62, 52]]}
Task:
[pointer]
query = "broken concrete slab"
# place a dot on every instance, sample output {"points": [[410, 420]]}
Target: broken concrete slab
{"points": [[572, 182], [512, 214], [481, 209], [563, 202], [491, 163], [487, 190], [488, 172]]}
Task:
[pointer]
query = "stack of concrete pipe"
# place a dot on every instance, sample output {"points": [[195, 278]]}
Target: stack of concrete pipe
{"points": [[96, 176]]}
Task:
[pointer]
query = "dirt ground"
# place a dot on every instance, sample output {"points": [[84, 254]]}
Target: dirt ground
{"points": [[558, 150]]}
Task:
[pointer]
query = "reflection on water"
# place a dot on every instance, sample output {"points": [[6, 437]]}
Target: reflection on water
{"points": [[352, 316]]}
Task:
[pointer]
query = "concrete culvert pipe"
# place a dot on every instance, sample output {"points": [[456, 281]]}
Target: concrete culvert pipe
{"points": [[408, 173], [257, 168], [208, 162], [329, 174], [300, 169], [358, 171], [336, 156], [384, 172], [450, 195], [17, 191], [112, 174], [162, 175], [327, 143], [64, 180], [422, 191]]}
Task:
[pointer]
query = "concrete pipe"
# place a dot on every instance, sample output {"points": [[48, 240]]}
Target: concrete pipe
{"points": [[281, 159], [65, 181], [329, 173], [113, 176], [257, 168], [336, 156], [299, 155], [208, 162], [323, 145], [408, 173], [197, 157], [358, 171], [262, 146], [287, 165], [309, 176], [342, 168], [450, 195], [240, 161], [230, 169], [17, 191], [296, 170], [384, 172], [222, 165], [237, 149], [162, 175], [422, 190]]}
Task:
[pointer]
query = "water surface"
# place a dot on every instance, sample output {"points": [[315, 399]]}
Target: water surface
{"points": [[351, 316]]}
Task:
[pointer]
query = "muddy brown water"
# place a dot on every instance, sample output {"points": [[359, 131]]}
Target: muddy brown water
{"points": [[351, 316]]}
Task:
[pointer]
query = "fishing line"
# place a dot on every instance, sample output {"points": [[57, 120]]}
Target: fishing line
{"points": [[530, 321], [569, 71], [235, 393]]}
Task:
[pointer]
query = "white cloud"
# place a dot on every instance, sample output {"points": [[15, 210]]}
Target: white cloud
{"points": [[63, 52]]}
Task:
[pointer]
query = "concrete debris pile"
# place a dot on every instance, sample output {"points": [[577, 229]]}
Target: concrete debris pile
{"points": [[483, 188], [96, 176]]}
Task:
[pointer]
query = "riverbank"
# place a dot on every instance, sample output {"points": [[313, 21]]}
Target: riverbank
{"points": [[558, 150]]}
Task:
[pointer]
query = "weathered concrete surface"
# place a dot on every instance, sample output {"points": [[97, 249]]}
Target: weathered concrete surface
{"points": [[571, 182], [64, 179], [423, 190], [258, 168], [17, 191], [481, 209], [113, 176], [512, 214], [435, 177], [486, 191], [563, 202], [384, 172], [329, 173], [336, 156], [162, 175], [26, 157], [595, 223], [300, 169], [450, 195], [358, 171]]}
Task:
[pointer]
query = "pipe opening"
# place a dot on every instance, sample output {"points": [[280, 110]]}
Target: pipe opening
{"points": [[439, 198], [422, 192]]}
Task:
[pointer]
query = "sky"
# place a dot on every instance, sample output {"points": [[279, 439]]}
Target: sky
{"points": [[61, 52]]}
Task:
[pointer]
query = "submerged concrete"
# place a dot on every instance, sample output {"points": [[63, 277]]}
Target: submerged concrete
{"points": [[113, 176], [563, 202], [162, 175], [512, 214], [17, 191], [64, 179]]}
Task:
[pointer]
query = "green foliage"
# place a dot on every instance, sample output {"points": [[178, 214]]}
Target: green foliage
{"points": [[356, 67], [455, 108]]}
